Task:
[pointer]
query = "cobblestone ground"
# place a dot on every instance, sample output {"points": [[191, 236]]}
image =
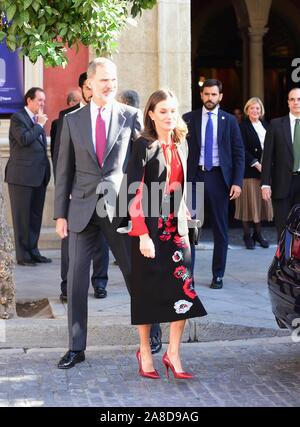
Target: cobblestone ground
{"points": [[257, 372]]}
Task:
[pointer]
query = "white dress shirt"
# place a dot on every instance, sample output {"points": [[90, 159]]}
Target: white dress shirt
{"points": [[32, 116], [215, 150], [261, 132], [105, 114], [293, 123]]}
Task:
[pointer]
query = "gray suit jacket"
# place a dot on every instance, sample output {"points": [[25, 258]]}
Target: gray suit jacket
{"points": [[78, 172]]}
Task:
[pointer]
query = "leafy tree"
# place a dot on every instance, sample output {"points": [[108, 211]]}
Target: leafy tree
{"points": [[42, 28]]}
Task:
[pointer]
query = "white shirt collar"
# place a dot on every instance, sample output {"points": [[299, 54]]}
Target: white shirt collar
{"points": [[214, 111], [30, 113], [293, 118], [95, 108]]}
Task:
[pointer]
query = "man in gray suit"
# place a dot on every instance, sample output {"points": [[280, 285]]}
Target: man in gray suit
{"points": [[94, 152]]}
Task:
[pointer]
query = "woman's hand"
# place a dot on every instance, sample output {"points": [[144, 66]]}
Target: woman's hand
{"points": [[258, 166], [147, 246]]}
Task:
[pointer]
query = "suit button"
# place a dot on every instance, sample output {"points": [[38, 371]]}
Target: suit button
{"points": [[255, 149]]}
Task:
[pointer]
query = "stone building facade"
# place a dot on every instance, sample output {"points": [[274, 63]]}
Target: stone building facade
{"points": [[176, 44]]}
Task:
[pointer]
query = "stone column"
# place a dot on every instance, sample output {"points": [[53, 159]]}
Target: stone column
{"points": [[174, 49], [157, 52], [258, 17], [245, 65]]}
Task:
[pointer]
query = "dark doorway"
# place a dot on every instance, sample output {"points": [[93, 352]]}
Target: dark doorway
{"points": [[217, 51], [280, 47]]}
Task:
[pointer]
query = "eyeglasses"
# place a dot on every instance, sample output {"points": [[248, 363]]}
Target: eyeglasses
{"points": [[294, 99]]}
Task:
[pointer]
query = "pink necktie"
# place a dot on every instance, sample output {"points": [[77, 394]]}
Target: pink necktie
{"points": [[100, 138]]}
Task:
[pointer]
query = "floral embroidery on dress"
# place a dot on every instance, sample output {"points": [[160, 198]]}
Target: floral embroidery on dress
{"points": [[179, 271], [164, 237], [188, 288], [182, 306], [178, 256], [167, 226], [180, 241]]}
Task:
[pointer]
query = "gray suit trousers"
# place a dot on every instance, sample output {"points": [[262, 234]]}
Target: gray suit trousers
{"points": [[81, 251]]}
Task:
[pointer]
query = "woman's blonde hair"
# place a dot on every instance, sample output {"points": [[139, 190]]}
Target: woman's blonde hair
{"points": [[252, 101], [149, 132]]}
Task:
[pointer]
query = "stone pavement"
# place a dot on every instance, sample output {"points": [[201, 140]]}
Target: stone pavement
{"points": [[240, 310], [257, 372], [238, 353]]}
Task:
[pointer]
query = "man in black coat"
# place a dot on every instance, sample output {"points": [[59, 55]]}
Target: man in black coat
{"points": [[280, 176], [28, 173]]}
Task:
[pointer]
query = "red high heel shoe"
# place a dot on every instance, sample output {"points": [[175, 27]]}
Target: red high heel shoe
{"points": [[179, 375], [153, 374]]}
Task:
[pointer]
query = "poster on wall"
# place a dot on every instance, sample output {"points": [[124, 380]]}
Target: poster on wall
{"points": [[11, 81]]}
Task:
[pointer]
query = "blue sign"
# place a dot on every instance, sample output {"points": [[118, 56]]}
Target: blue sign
{"points": [[11, 81]]}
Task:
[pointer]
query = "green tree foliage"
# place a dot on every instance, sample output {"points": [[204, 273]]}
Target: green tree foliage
{"points": [[42, 28]]}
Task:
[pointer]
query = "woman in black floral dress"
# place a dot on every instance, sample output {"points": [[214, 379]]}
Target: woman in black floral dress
{"points": [[162, 282]]}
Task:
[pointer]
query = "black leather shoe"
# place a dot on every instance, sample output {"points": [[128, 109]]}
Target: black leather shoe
{"points": [[100, 293], [259, 239], [249, 242], [41, 259], [27, 263], [217, 283], [155, 339], [70, 359], [63, 297]]}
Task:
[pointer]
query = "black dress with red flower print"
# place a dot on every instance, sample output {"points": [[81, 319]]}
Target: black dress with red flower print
{"points": [[163, 287]]}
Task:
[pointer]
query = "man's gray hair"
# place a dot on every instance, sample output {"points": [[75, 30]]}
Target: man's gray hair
{"points": [[129, 97], [98, 62]]}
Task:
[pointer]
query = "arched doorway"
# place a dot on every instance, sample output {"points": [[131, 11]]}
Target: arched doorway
{"points": [[217, 50], [220, 50]]}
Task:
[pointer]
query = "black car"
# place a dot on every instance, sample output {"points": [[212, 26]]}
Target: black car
{"points": [[284, 274]]}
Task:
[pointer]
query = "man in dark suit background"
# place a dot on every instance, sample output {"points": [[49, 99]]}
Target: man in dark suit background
{"points": [[73, 98], [101, 255], [27, 173], [280, 176], [216, 158]]}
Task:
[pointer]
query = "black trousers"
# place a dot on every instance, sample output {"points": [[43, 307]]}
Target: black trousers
{"points": [[27, 204], [216, 197], [282, 207]]}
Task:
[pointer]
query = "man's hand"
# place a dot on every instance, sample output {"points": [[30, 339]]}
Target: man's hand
{"points": [[62, 227], [235, 192], [147, 246], [42, 118], [266, 193]]}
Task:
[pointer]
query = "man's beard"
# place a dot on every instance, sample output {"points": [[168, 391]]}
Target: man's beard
{"points": [[86, 100], [211, 105]]}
